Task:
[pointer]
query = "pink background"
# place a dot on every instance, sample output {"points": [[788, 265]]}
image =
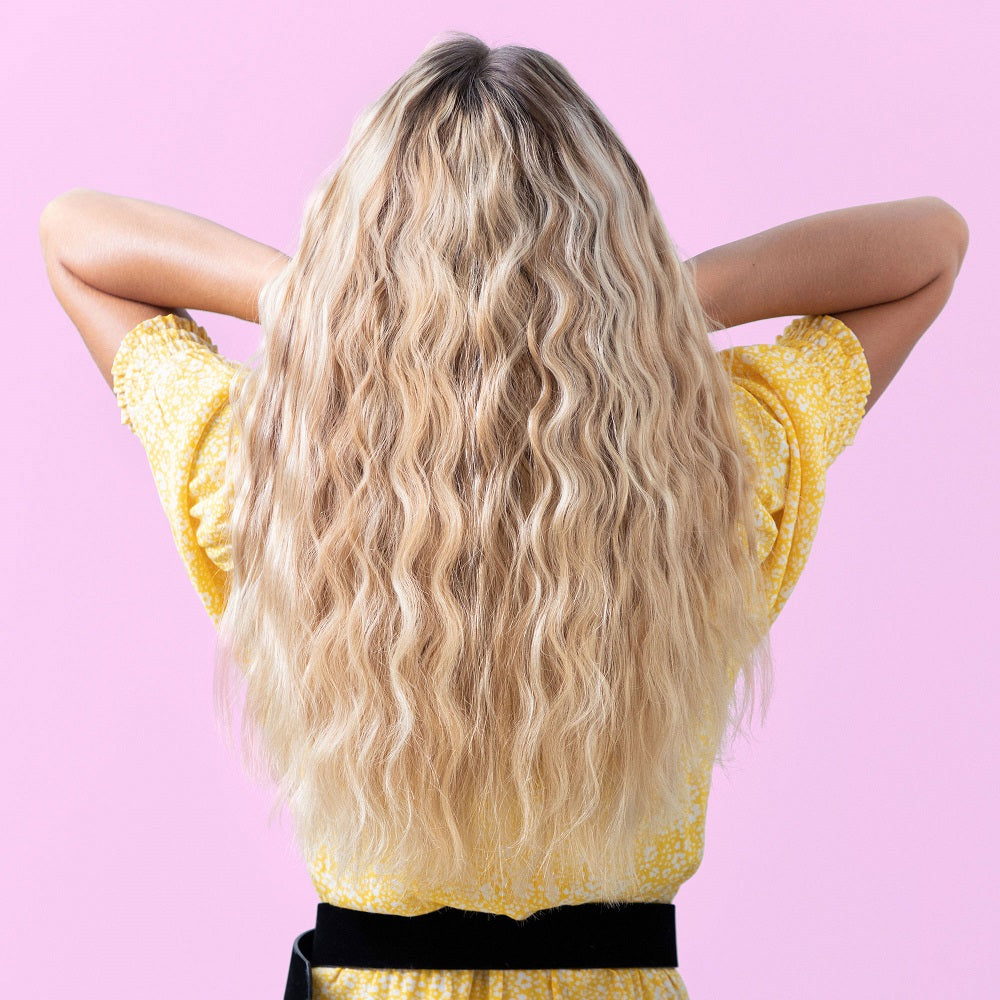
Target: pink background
{"points": [[851, 849]]}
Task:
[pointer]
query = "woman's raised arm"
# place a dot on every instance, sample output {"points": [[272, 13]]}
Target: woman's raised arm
{"points": [[886, 270], [114, 261]]}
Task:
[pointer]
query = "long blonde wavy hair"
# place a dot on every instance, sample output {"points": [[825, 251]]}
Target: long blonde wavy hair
{"points": [[492, 590]]}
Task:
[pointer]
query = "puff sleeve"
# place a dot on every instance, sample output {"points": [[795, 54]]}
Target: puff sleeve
{"points": [[799, 403], [172, 387]]}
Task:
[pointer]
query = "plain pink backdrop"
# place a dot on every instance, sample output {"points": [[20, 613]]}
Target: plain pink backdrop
{"points": [[851, 848]]}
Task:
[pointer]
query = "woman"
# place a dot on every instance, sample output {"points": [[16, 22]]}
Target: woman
{"points": [[492, 536]]}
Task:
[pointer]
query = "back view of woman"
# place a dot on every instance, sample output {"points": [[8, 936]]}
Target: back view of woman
{"points": [[493, 536]]}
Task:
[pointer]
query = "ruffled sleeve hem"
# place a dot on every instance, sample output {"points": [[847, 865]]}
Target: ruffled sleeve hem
{"points": [[146, 345], [833, 348]]}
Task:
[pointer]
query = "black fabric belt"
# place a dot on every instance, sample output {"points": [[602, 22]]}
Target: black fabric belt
{"points": [[577, 936]]}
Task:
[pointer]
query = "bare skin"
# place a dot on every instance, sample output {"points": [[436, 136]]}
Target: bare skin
{"points": [[114, 262], [886, 270]]}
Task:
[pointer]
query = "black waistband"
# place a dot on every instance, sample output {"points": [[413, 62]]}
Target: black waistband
{"points": [[579, 936]]}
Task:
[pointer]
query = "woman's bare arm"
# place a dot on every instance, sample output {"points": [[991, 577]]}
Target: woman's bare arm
{"points": [[115, 261], [886, 270]]}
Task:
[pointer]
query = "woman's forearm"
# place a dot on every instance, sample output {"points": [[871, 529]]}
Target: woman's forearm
{"points": [[153, 253], [832, 262]]}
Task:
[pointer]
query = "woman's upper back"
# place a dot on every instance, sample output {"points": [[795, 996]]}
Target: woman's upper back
{"points": [[799, 403]]}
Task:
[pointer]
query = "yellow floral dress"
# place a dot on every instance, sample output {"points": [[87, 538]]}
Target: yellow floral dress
{"points": [[799, 402]]}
